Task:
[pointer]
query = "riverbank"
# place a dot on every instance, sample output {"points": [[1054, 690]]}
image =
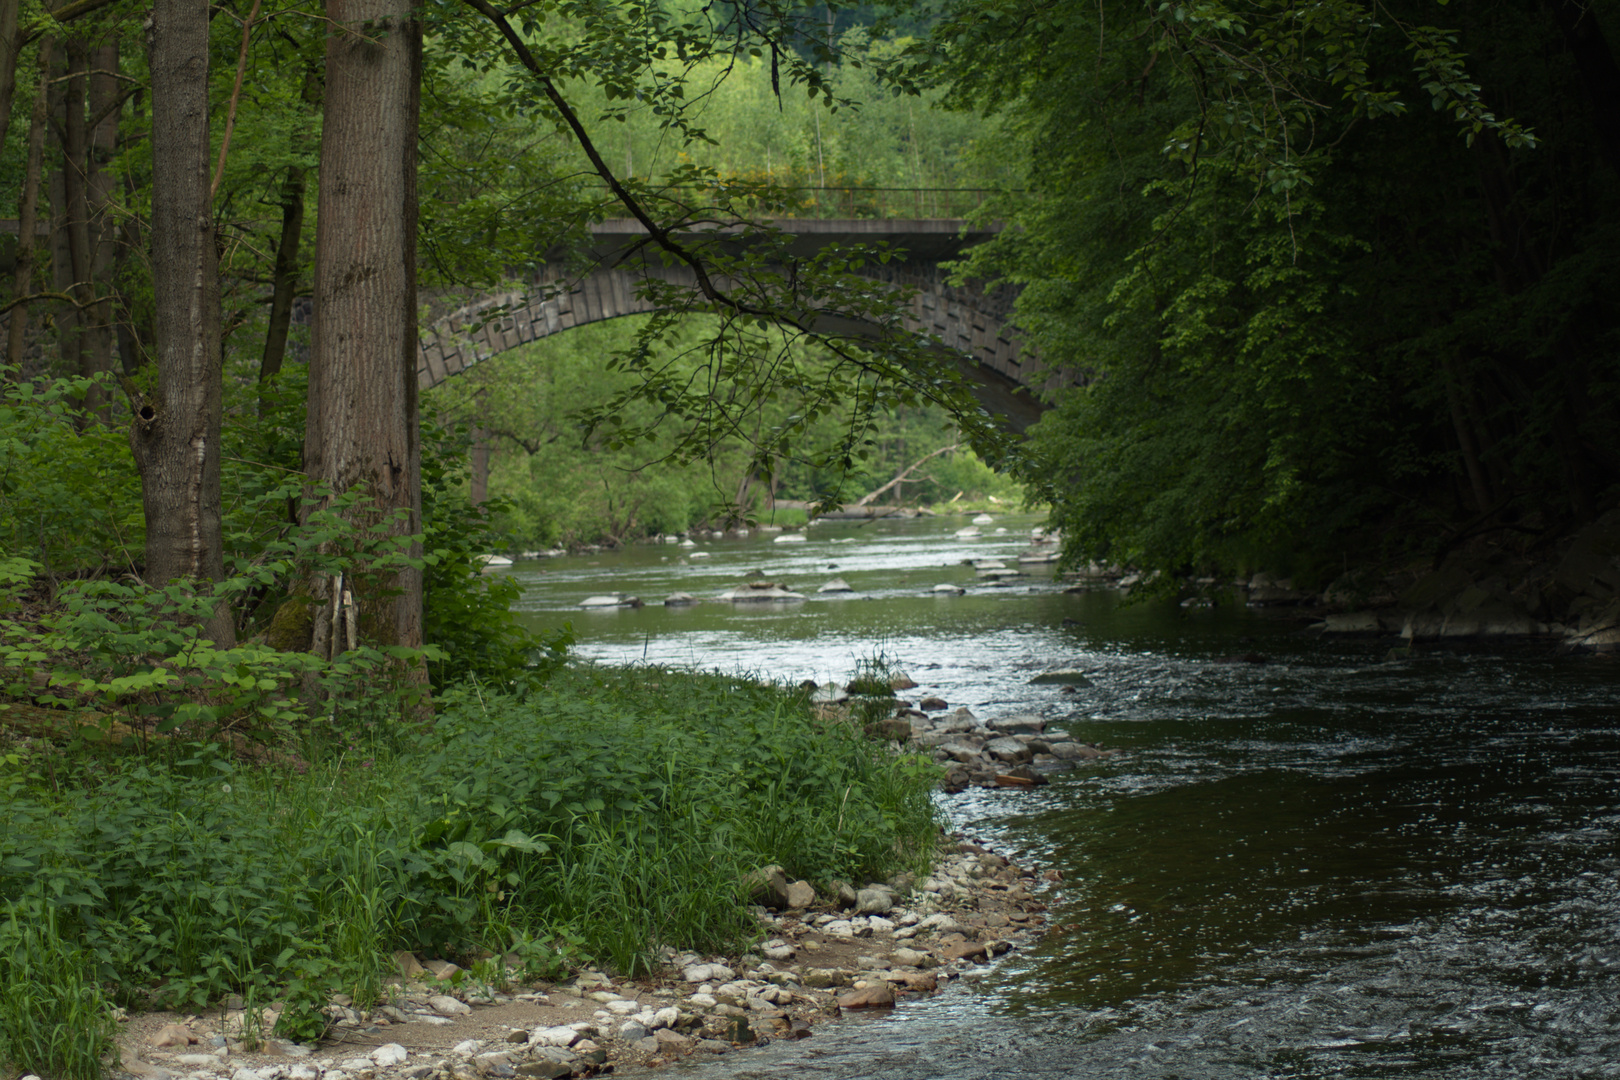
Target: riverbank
{"points": [[813, 958], [583, 825], [1565, 591]]}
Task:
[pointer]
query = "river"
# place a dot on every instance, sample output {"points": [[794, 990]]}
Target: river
{"points": [[1331, 864]]}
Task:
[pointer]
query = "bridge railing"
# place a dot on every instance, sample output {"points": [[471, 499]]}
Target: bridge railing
{"points": [[832, 202]]}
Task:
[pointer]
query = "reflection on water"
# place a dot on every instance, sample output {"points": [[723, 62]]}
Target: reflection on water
{"points": [[1325, 865]]}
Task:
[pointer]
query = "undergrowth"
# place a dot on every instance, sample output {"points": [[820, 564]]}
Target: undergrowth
{"points": [[590, 820]]}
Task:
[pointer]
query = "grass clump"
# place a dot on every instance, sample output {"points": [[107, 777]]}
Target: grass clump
{"points": [[590, 820], [53, 1018]]}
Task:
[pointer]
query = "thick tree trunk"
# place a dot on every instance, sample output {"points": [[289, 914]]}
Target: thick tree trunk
{"points": [[286, 274], [175, 434], [28, 211], [362, 426]]}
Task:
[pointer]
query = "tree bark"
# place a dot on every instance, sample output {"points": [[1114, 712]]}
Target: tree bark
{"points": [[175, 434], [28, 211], [362, 428]]}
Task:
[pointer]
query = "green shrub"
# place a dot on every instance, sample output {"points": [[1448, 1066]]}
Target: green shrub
{"points": [[592, 819], [70, 498]]}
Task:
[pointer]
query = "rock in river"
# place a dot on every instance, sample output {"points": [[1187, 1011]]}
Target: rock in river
{"points": [[758, 592], [610, 600]]}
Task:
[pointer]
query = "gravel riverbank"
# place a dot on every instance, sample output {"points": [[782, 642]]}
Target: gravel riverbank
{"points": [[818, 956]]}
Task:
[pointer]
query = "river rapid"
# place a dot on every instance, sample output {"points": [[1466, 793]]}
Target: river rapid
{"points": [[1326, 865]]}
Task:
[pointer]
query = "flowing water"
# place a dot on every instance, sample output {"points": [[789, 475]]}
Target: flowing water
{"points": [[1326, 865]]}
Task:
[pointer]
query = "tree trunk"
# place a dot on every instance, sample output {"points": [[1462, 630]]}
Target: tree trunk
{"points": [[286, 275], [362, 431], [99, 181], [132, 323], [66, 101], [76, 172], [175, 434], [28, 211], [10, 46]]}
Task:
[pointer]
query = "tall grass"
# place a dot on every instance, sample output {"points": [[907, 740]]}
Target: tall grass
{"points": [[53, 1018], [593, 820]]}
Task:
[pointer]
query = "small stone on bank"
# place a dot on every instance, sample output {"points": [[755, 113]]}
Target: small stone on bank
{"points": [[389, 1055]]}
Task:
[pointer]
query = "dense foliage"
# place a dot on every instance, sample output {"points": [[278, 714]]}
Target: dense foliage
{"points": [[588, 821], [1320, 320]]}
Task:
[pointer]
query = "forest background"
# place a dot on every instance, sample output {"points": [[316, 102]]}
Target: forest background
{"points": [[1335, 285]]}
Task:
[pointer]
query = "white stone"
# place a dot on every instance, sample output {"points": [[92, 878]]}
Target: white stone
{"points": [[623, 1007], [703, 1001], [880, 924], [389, 1054], [665, 1018], [445, 1005], [192, 1061], [303, 1072], [468, 1047], [840, 928], [553, 1036]]}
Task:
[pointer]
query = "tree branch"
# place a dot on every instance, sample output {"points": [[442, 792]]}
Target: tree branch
{"points": [[907, 471], [236, 95]]}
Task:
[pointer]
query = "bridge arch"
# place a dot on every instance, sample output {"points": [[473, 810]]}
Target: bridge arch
{"points": [[971, 323]]}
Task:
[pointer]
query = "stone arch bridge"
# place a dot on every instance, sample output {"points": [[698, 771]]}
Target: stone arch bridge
{"points": [[971, 323]]}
